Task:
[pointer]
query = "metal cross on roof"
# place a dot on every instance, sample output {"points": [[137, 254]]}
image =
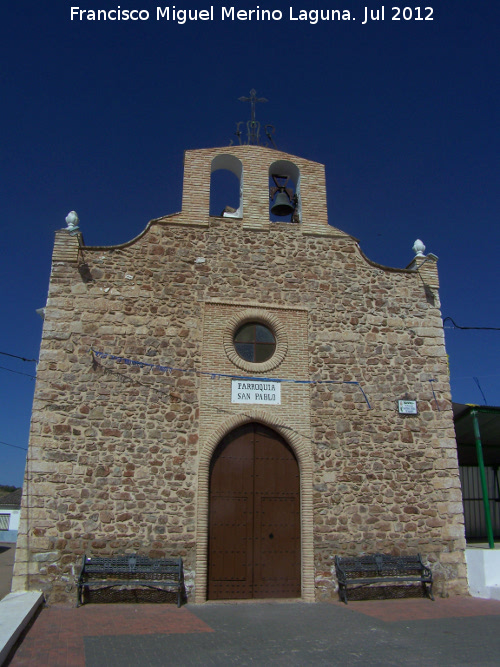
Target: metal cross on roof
{"points": [[253, 99], [253, 125]]}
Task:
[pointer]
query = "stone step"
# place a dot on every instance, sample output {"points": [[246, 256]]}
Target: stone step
{"points": [[16, 611]]}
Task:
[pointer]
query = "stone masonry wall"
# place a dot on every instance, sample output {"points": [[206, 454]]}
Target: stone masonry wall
{"points": [[119, 453]]}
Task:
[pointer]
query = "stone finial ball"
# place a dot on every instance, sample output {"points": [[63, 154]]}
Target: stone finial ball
{"points": [[418, 248], [72, 220]]}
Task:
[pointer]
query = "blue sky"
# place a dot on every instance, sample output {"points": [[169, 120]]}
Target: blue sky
{"points": [[404, 114]]}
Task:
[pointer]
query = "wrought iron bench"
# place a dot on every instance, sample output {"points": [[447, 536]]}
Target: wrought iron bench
{"points": [[131, 571], [382, 569]]}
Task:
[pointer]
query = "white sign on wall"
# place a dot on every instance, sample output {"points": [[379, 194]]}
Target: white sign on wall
{"points": [[253, 391], [407, 407]]}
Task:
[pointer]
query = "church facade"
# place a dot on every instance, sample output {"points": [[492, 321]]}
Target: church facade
{"points": [[253, 395]]}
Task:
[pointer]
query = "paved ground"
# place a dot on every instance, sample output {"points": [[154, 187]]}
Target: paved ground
{"points": [[416, 632], [451, 632], [7, 553]]}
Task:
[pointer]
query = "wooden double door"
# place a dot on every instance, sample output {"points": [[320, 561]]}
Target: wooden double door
{"points": [[254, 524]]}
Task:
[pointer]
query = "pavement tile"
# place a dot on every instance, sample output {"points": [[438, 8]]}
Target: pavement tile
{"points": [[422, 609], [57, 636]]}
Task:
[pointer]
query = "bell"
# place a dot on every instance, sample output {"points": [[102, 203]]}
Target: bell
{"points": [[282, 205]]}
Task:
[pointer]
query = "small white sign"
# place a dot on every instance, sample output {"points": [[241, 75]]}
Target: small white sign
{"points": [[253, 391], [407, 407]]}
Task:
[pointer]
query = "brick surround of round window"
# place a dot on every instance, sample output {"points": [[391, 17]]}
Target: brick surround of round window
{"points": [[259, 316]]}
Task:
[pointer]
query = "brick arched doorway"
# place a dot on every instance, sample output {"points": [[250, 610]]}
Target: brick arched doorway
{"points": [[254, 517]]}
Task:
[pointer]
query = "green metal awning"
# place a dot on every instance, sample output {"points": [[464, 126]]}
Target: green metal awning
{"points": [[479, 425], [489, 424]]}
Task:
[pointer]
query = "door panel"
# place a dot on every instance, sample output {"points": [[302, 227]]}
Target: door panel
{"points": [[276, 547], [231, 518], [254, 526]]}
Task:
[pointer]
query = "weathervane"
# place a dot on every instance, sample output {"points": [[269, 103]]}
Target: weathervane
{"points": [[253, 125]]}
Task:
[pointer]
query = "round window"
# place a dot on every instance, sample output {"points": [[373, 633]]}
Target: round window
{"points": [[254, 342]]}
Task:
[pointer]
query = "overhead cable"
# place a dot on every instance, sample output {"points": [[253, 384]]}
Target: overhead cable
{"points": [[15, 356], [7, 444], [2, 368], [456, 326]]}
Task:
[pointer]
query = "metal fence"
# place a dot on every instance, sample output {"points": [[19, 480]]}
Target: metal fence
{"points": [[475, 524]]}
